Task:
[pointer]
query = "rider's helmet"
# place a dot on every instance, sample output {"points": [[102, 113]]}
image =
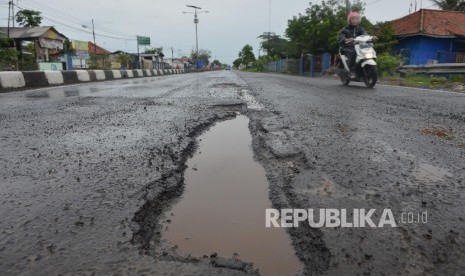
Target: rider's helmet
{"points": [[354, 18]]}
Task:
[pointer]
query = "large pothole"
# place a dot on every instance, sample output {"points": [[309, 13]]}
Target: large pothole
{"points": [[222, 210]]}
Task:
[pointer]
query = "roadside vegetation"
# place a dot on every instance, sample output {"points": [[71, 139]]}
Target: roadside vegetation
{"points": [[452, 83], [312, 32], [315, 31]]}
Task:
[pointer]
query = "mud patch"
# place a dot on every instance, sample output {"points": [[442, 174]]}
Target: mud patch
{"points": [[446, 134], [439, 132], [344, 129], [222, 212]]}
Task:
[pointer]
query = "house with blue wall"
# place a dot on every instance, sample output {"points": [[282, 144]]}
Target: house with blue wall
{"points": [[430, 36]]}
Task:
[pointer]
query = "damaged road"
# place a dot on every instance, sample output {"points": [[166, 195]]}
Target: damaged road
{"points": [[87, 172]]}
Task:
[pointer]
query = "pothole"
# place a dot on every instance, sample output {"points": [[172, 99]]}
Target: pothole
{"points": [[223, 207], [225, 85]]}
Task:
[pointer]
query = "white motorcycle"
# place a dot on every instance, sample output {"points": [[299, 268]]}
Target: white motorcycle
{"points": [[365, 67]]}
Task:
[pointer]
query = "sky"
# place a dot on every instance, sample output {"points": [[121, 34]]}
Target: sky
{"points": [[224, 30]]}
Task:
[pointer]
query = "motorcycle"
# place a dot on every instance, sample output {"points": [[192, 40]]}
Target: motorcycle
{"points": [[365, 67]]}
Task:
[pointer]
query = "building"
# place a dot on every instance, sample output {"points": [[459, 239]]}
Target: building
{"points": [[98, 57], [177, 63], [116, 62], [430, 36], [97, 50], [48, 43], [152, 61]]}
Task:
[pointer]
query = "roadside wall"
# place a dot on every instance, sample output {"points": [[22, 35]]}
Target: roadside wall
{"points": [[12, 80]]}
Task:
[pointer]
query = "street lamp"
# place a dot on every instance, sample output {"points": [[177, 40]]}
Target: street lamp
{"points": [[196, 21], [93, 33]]}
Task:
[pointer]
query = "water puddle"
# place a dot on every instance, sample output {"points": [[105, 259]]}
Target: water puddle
{"points": [[223, 206]]}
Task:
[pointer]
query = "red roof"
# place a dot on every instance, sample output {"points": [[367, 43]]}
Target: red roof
{"points": [[435, 23], [100, 51]]}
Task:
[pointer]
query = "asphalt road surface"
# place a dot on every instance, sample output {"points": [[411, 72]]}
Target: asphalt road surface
{"points": [[87, 170]]}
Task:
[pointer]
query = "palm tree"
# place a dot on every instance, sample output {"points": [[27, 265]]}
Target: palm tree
{"points": [[450, 5]]}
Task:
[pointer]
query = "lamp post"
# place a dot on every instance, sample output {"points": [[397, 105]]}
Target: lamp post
{"points": [[196, 21], [93, 34]]}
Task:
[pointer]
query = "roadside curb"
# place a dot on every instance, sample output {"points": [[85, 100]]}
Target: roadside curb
{"points": [[14, 80]]}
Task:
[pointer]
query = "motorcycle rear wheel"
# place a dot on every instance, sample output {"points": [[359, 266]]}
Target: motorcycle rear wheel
{"points": [[345, 78]]}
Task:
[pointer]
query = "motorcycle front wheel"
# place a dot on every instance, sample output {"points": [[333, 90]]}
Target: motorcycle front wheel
{"points": [[370, 75]]}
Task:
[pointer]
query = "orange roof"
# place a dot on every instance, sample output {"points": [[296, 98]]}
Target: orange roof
{"points": [[100, 51], [435, 23]]}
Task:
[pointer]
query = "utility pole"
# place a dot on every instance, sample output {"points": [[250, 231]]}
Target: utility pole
{"points": [[196, 21], [9, 17], [93, 33], [12, 13], [269, 26], [138, 54], [172, 58]]}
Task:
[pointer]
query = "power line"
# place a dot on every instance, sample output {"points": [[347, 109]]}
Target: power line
{"points": [[55, 12], [73, 23], [66, 25], [376, 1], [65, 17]]}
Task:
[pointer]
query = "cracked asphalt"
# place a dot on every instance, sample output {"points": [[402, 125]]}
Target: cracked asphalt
{"points": [[87, 170]]}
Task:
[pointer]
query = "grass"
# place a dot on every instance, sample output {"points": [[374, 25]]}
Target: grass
{"points": [[455, 83]]}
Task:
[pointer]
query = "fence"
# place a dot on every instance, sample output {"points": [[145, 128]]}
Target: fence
{"points": [[431, 57], [307, 65]]}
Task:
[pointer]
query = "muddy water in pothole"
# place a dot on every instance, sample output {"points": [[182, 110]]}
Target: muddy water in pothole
{"points": [[223, 206]]}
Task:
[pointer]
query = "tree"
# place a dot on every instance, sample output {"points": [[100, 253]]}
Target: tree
{"points": [[246, 55], [7, 53], [237, 62], [202, 54], [123, 58], [67, 47], [385, 33], [358, 6], [261, 63], [28, 18], [274, 45], [155, 51], [216, 62], [317, 29], [450, 5]]}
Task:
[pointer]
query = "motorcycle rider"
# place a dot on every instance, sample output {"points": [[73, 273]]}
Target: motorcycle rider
{"points": [[346, 36]]}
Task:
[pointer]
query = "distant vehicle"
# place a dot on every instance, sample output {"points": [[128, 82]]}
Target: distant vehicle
{"points": [[227, 67]]}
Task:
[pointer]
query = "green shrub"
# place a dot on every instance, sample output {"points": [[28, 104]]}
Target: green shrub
{"points": [[458, 78], [387, 64], [437, 80]]}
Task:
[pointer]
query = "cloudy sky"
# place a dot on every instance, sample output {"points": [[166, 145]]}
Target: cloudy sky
{"points": [[224, 30]]}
